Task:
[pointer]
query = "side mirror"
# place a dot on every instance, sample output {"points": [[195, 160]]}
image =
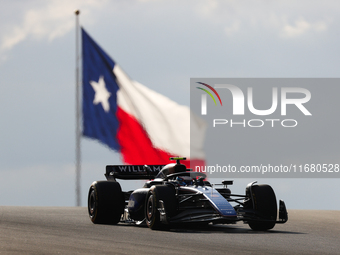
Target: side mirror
{"points": [[147, 169]]}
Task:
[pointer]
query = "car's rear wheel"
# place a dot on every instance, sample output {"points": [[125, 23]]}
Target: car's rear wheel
{"points": [[105, 202], [264, 206], [156, 194]]}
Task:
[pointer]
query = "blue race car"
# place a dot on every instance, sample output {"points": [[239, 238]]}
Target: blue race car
{"points": [[175, 194]]}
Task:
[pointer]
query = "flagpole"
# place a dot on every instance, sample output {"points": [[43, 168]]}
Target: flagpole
{"points": [[78, 131]]}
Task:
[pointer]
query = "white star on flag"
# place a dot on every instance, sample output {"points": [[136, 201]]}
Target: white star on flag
{"points": [[101, 94]]}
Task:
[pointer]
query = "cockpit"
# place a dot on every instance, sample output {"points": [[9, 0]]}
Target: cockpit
{"points": [[171, 169]]}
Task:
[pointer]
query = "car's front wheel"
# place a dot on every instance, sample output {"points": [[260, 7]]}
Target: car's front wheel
{"points": [[264, 206], [157, 194]]}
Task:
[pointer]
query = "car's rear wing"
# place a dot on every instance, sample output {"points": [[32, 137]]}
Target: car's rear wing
{"points": [[132, 172]]}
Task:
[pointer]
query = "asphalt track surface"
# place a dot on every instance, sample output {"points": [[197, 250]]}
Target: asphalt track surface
{"points": [[68, 230]]}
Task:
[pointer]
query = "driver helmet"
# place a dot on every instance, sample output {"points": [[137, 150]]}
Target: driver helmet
{"points": [[184, 180]]}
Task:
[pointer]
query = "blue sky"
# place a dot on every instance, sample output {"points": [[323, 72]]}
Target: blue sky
{"points": [[161, 44]]}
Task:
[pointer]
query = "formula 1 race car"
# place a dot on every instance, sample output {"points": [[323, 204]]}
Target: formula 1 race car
{"points": [[175, 194]]}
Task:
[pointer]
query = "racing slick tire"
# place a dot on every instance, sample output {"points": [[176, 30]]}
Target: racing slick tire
{"points": [[166, 194], [105, 202], [265, 207]]}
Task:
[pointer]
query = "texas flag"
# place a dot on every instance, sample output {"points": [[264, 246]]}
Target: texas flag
{"points": [[143, 125]]}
